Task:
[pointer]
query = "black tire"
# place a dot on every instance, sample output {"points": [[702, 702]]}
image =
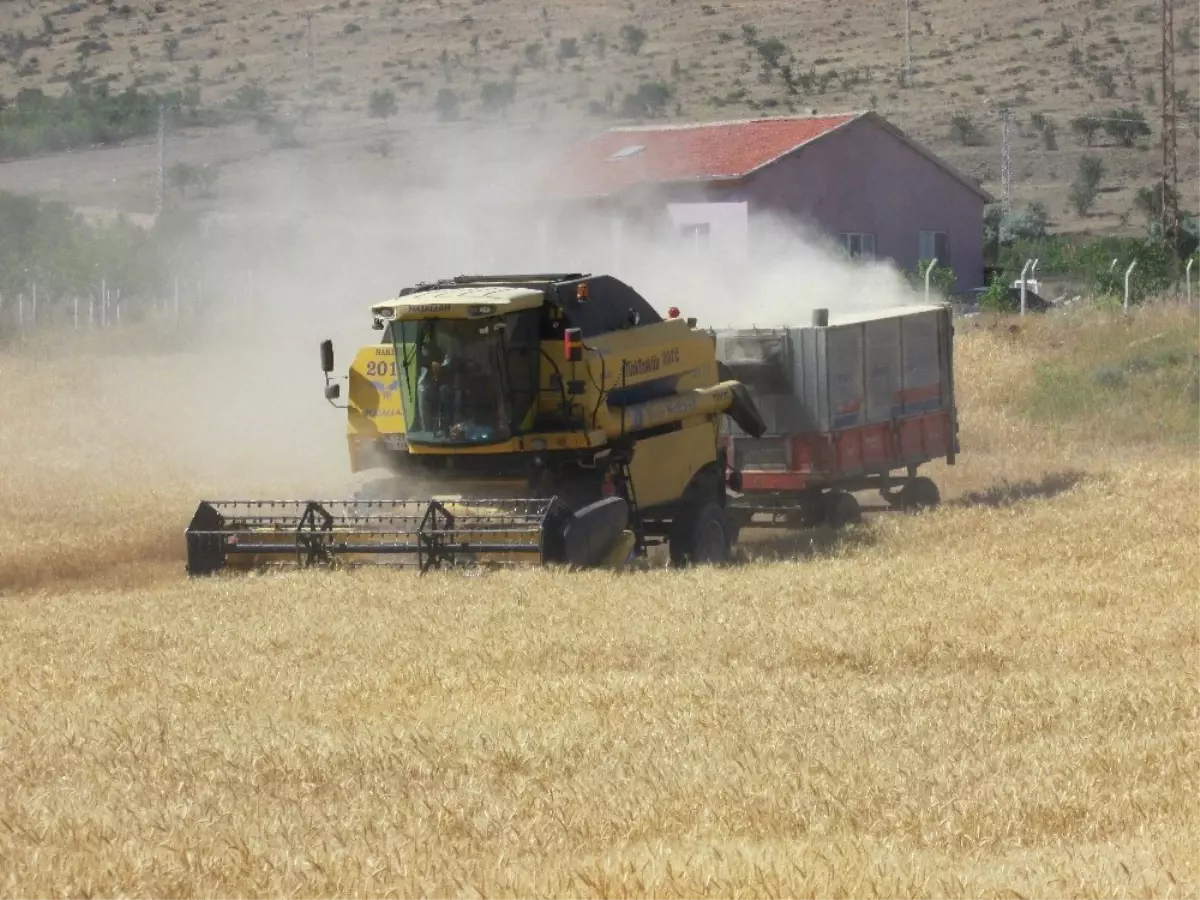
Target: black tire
{"points": [[841, 509], [703, 537], [918, 494]]}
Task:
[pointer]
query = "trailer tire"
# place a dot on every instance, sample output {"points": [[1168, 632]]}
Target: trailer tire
{"points": [[841, 509], [918, 494], [703, 538]]}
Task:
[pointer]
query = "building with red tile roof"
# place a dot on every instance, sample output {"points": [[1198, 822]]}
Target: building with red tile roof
{"points": [[853, 175]]}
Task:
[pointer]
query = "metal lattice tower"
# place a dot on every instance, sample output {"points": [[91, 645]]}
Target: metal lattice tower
{"points": [[1170, 163], [1006, 116]]}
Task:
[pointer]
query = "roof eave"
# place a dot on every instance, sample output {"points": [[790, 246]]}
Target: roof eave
{"points": [[851, 118], [666, 184]]}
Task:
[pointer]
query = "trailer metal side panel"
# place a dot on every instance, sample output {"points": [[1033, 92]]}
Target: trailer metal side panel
{"points": [[870, 394], [811, 379], [844, 363], [883, 358], [922, 388]]}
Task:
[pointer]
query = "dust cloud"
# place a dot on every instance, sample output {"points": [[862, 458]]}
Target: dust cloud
{"points": [[303, 242]]}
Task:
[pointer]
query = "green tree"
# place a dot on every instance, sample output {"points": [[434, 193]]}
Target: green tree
{"points": [[1125, 126], [649, 101], [1086, 128], [382, 104], [966, 132], [997, 298], [497, 96], [771, 51], [632, 39], [1086, 185], [446, 105]]}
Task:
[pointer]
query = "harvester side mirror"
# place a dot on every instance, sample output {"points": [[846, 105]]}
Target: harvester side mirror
{"points": [[326, 356], [333, 391]]}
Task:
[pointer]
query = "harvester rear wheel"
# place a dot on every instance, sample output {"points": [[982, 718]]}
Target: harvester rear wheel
{"points": [[841, 509], [919, 493], [702, 537]]}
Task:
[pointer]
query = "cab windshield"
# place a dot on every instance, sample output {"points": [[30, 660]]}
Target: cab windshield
{"points": [[466, 381]]}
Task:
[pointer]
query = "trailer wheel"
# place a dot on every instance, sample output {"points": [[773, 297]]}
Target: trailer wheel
{"points": [[919, 493], [702, 538], [841, 509]]}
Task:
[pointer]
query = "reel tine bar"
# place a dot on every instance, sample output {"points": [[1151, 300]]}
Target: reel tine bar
{"points": [[430, 534]]}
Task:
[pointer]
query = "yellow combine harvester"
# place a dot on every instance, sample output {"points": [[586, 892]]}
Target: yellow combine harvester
{"points": [[566, 420]]}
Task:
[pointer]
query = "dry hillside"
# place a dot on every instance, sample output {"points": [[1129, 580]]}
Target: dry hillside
{"points": [[571, 65], [994, 699]]}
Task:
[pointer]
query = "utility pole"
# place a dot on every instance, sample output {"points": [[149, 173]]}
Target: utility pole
{"points": [[309, 55], [907, 43], [1170, 162], [160, 199]]}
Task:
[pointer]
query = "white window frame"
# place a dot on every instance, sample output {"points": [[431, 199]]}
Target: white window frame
{"points": [[696, 234], [927, 246], [865, 241]]}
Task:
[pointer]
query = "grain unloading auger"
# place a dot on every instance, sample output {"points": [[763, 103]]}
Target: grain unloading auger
{"points": [[566, 420]]}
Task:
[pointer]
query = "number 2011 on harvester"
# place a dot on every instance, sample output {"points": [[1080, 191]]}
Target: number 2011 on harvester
{"points": [[381, 368]]}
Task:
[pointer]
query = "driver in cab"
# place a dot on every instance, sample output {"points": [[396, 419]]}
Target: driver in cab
{"points": [[456, 390]]}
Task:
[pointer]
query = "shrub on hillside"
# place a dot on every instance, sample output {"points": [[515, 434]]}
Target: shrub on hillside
{"points": [[36, 122]]}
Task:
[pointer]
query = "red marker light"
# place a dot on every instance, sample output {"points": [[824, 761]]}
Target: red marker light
{"points": [[673, 312], [572, 344]]}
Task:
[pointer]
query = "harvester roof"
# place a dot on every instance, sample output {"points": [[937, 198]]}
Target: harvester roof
{"points": [[460, 302], [596, 304]]}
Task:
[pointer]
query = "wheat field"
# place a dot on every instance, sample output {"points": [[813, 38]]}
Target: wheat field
{"points": [[995, 699]]}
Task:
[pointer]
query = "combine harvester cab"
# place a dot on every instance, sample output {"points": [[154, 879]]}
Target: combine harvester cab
{"points": [[565, 419], [850, 404]]}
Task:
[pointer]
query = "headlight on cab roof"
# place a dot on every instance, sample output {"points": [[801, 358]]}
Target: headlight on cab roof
{"points": [[480, 309]]}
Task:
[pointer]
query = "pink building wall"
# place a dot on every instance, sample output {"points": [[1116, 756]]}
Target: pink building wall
{"points": [[863, 179]]}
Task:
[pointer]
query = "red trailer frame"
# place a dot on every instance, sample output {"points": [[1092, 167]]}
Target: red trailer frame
{"points": [[823, 468]]}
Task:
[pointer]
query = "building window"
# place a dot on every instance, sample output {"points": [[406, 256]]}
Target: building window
{"points": [[934, 245], [858, 246], [696, 235]]}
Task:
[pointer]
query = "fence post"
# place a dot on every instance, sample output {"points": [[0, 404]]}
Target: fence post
{"points": [[1189, 279], [1128, 272], [928, 271], [1024, 281]]}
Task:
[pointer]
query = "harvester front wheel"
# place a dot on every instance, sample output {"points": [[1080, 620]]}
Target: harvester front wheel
{"points": [[703, 537]]}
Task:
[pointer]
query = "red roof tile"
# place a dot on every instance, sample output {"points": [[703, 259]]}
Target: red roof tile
{"points": [[680, 153]]}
